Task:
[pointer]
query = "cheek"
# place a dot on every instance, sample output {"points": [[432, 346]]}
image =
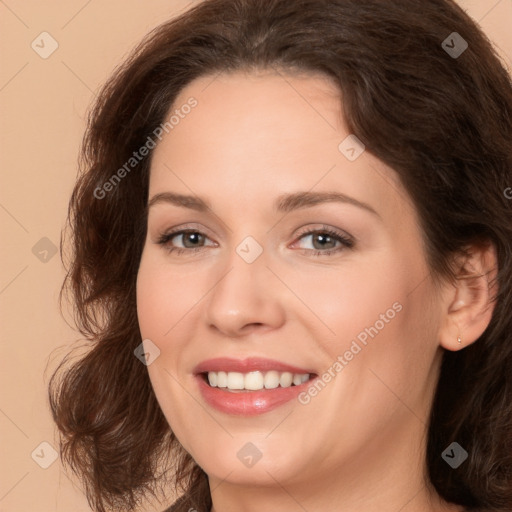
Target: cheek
{"points": [[379, 321], [163, 296], [150, 303], [356, 299], [397, 341], [160, 306]]}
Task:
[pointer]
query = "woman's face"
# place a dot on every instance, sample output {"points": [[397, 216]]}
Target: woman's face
{"points": [[309, 265]]}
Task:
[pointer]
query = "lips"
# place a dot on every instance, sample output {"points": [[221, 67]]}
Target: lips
{"points": [[246, 365], [258, 385]]}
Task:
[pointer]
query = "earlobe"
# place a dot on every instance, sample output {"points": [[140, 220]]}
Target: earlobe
{"points": [[469, 301]]}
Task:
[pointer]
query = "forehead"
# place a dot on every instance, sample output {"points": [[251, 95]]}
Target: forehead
{"points": [[245, 111], [261, 134]]}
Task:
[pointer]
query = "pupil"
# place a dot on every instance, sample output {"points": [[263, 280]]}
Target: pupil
{"points": [[193, 235], [323, 238]]}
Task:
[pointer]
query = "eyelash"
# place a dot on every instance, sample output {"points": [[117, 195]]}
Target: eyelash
{"points": [[346, 242]]}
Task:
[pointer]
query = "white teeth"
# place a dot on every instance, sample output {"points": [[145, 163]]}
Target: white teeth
{"points": [[255, 381], [212, 379], [222, 379], [271, 380], [286, 379], [235, 380]]}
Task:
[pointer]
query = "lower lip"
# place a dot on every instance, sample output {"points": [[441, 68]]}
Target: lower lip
{"points": [[248, 403]]}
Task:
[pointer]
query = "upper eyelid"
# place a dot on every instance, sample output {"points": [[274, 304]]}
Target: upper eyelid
{"points": [[302, 230], [185, 228]]}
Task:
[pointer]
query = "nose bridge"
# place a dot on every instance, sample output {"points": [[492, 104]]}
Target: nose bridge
{"points": [[246, 294]]}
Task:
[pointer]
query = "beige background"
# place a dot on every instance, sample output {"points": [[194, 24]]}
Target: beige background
{"points": [[43, 104]]}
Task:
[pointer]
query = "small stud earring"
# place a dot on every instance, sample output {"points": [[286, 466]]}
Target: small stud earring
{"points": [[459, 340]]}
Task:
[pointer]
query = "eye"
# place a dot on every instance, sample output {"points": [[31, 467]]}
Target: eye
{"points": [[191, 239], [324, 241]]}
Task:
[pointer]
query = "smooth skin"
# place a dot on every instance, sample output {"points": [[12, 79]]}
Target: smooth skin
{"points": [[359, 444]]}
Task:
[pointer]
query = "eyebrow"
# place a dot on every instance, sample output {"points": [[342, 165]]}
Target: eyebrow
{"points": [[285, 203]]}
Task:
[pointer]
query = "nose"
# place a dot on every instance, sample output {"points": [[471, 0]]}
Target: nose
{"points": [[247, 298]]}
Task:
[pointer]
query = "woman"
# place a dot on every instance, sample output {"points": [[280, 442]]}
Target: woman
{"points": [[292, 253]]}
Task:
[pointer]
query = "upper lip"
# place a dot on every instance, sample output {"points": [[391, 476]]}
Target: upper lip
{"points": [[251, 364]]}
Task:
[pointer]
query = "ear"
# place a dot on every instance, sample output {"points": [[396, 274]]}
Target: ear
{"points": [[469, 302]]}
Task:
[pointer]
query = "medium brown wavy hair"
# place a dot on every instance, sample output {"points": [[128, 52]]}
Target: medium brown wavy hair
{"points": [[443, 123]]}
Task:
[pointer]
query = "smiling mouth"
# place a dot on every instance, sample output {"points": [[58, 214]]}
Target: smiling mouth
{"points": [[254, 381]]}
